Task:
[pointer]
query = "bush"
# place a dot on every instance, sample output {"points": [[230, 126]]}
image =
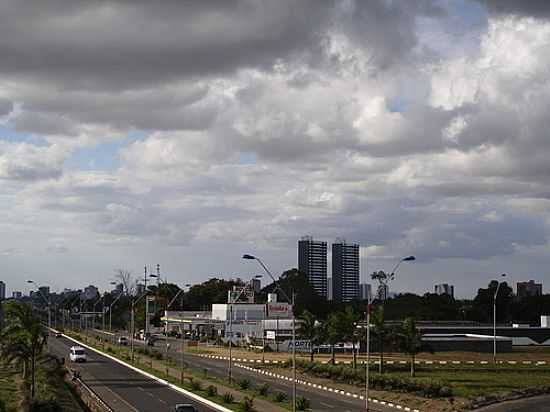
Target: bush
{"points": [[156, 355], [212, 390], [196, 385], [302, 404], [247, 404], [228, 398], [346, 374], [244, 384], [263, 389], [45, 406], [279, 396]]}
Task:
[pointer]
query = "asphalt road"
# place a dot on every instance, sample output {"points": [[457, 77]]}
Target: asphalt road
{"points": [[536, 404], [321, 401], [123, 389]]}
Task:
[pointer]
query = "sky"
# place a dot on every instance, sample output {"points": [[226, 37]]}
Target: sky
{"points": [[188, 133]]}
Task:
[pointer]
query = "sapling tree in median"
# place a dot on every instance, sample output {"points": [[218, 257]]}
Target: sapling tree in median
{"points": [[409, 340]]}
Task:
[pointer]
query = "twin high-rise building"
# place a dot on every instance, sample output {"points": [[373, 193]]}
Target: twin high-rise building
{"points": [[345, 271], [312, 260]]}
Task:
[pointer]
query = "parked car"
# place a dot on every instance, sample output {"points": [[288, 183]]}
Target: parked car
{"points": [[77, 354], [58, 335], [185, 407], [122, 340]]}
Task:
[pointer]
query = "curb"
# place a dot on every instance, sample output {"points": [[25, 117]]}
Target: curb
{"points": [[391, 362], [176, 388], [328, 389]]}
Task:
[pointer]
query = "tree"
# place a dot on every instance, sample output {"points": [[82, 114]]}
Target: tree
{"points": [[125, 277], [409, 340], [212, 291], [382, 333], [23, 338], [348, 320], [332, 333], [309, 329], [483, 302]]}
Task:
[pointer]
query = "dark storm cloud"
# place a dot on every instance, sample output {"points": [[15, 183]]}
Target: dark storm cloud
{"points": [[534, 8], [6, 106], [96, 44], [123, 44]]}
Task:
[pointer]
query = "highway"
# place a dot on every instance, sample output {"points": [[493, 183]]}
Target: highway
{"points": [[123, 389], [321, 401]]}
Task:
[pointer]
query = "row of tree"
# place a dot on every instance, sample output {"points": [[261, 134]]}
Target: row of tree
{"points": [[22, 339], [347, 326]]}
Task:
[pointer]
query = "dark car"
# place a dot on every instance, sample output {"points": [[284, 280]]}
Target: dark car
{"points": [[150, 341], [185, 407]]}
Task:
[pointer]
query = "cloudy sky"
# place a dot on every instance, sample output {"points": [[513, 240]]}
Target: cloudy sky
{"points": [[187, 133]]}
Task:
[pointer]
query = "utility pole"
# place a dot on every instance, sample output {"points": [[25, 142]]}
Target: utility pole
{"points": [[367, 366], [146, 330], [293, 354], [230, 338]]}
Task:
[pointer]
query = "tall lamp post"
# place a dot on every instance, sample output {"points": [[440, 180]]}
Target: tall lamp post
{"points": [[495, 320], [277, 287], [48, 303], [111, 307], [132, 327], [231, 301], [183, 335], [382, 289], [168, 305]]}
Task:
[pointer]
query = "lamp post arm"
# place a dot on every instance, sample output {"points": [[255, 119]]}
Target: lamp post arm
{"points": [[174, 299], [115, 301], [272, 278]]}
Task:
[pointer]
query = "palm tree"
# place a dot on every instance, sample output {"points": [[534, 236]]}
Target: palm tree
{"points": [[410, 342], [382, 333], [309, 329], [332, 333], [349, 319], [23, 338]]}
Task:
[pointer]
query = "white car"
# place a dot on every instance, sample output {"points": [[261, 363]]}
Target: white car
{"points": [[77, 354]]}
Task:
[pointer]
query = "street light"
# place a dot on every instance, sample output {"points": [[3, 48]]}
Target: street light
{"points": [[183, 336], [134, 301], [231, 301], [383, 285], [277, 287], [495, 320], [111, 307], [48, 303]]}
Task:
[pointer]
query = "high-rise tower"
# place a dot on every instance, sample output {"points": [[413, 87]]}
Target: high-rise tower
{"points": [[345, 271], [312, 260]]}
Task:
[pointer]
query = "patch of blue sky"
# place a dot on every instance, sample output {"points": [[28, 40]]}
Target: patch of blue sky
{"points": [[103, 156], [8, 134], [397, 104], [248, 158]]}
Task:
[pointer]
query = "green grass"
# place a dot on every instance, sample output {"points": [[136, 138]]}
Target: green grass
{"points": [[471, 384], [50, 385], [8, 387]]}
